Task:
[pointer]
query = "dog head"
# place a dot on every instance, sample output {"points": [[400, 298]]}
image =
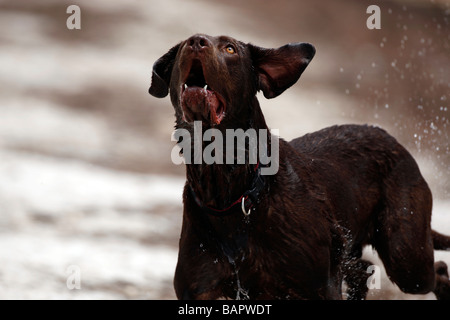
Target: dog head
{"points": [[215, 79]]}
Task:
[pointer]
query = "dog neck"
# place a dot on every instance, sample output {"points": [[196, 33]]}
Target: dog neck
{"points": [[218, 185]]}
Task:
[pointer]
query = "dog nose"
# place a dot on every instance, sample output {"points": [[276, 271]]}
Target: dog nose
{"points": [[199, 43]]}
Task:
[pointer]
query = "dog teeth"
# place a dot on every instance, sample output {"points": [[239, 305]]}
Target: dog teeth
{"points": [[185, 86]]}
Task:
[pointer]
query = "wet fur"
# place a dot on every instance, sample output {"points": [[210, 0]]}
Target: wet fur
{"points": [[336, 190]]}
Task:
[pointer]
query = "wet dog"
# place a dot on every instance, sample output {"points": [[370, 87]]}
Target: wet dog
{"points": [[297, 234]]}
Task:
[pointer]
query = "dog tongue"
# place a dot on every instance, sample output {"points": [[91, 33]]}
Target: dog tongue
{"points": [[199, 103]]}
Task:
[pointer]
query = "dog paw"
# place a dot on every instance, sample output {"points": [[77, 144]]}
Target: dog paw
{"points": [[442, 289]]}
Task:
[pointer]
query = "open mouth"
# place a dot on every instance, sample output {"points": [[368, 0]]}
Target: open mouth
{"points": [[198, 100]]}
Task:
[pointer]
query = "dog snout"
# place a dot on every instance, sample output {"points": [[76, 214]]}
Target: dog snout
{"points": [[198, 43]]}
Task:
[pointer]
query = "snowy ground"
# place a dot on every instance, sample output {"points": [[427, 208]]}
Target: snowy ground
{"points": [[87, 188], [118, 228]]}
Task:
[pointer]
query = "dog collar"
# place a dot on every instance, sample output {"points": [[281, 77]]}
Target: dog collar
{"points": [[246, 201]]}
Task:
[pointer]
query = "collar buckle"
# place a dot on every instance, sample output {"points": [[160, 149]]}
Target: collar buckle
{"points": [[246, 213]]}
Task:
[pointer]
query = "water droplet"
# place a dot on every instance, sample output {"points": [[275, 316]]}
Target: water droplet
{"points": [[433, 126]]}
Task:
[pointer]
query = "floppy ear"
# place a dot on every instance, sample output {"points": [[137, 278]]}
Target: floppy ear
{"points": [[162, 70], [278, 69]]}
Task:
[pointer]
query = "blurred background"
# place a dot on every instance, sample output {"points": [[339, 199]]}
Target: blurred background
{"points": [[86, 178]]}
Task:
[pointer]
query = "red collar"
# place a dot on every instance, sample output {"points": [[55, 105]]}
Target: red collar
{"points": [[246, 201]]}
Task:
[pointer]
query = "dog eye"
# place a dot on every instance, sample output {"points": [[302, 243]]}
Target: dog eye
{"points": [[230, 49]]}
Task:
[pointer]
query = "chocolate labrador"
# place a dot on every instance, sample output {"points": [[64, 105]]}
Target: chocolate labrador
{"points": [[299, 233]]}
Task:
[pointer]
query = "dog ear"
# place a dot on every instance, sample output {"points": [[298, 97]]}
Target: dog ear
{"points": [[278, 69], [162, 71]]}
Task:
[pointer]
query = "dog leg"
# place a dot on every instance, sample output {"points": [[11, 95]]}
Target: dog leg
{"points": [[356, 278], [403, 237]]}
